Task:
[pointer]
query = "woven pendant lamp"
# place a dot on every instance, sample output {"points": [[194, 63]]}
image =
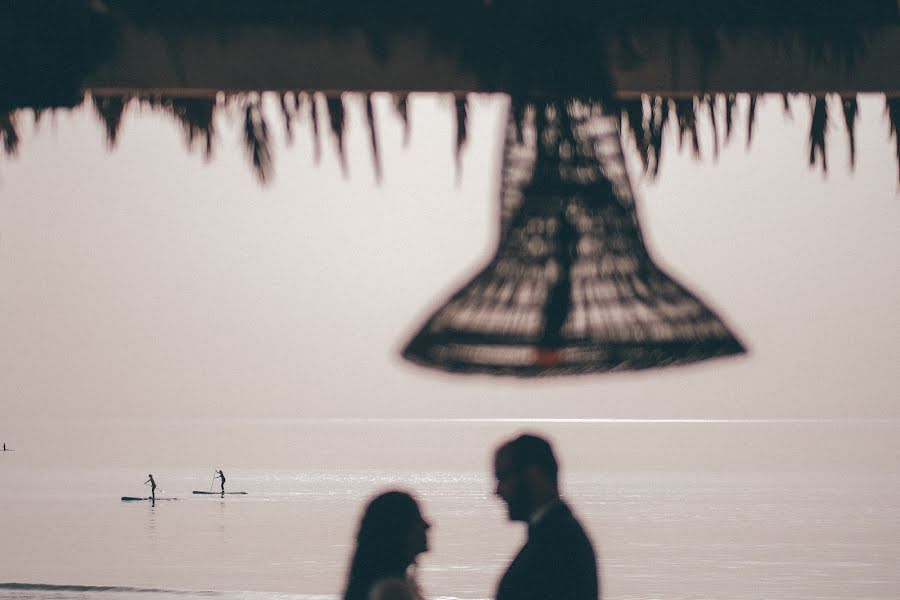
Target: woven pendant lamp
{"points": [[571, 288]]}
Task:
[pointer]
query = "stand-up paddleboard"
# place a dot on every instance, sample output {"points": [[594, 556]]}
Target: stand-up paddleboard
{"points": [[135, 499], [220, 493]]}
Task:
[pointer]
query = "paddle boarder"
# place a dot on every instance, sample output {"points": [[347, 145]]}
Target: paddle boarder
{"points": [[222, 477], [152, 487]]}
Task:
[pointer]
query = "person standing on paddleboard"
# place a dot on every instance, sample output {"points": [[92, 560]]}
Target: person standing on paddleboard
{"points": [[222, 477], [152, 488]]}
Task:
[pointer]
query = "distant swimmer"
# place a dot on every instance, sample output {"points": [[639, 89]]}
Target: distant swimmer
{"points": [[222, 478], [152, 488]]}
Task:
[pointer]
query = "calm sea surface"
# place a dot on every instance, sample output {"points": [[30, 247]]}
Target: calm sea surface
{"points": [[739, 510]]}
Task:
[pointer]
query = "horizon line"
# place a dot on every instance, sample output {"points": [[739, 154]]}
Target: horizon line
{"points": [[502, 420], [585, 420]]}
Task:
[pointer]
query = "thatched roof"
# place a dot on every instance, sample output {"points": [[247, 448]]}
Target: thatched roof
{"points": [[343, 13], [50, 50]]}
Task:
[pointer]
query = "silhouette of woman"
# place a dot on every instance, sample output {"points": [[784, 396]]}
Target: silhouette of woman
{"points": [[391, 535]]}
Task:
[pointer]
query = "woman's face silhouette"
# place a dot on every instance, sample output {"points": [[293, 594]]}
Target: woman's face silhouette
{"points": [[417, 540]]}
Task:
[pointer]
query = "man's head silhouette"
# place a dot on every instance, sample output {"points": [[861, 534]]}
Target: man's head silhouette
{"points": [[558, 560], [526, 473]]}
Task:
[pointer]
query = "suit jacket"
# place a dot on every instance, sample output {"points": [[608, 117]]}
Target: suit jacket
{"points": [[556, 563]]}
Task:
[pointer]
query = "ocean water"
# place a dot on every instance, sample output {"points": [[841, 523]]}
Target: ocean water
{"points": [[738, 510]]}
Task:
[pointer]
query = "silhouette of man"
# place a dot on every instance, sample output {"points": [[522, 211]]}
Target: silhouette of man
{"points": [[152, 488], [222, 477], [558, 561]]}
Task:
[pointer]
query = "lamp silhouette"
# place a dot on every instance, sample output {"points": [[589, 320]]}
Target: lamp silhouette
{"points": [[571, 287]]}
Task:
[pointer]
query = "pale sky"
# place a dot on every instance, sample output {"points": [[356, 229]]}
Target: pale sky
{"points": [[145, 282]]}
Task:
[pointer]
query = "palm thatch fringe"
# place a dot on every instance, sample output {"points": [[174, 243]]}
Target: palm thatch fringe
{"points": [[892, 107], [401, 104], [659, 117], [287, 102], [296, 108], [644, 120], [110, 110], [8, 133], [517, 109], [730, 102], [314, 118], [851, 111], [632, 120], [335, 106], [196, 116], [817, 129], [751, 118], [462, 116], [256, 140], [710, 100], [786, 104], [39, 115], [686, 114], [370, 120]]}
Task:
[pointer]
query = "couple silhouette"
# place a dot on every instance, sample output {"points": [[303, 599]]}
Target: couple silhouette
{"points": [[556, 563]]}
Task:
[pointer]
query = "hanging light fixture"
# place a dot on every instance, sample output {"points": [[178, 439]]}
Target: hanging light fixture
{"points": [[572, 287]]}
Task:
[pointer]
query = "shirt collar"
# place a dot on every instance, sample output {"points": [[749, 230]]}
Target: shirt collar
{"points": [[538, 515]]}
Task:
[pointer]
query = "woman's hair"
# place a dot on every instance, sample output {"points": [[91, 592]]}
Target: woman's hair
{"points": [[381, 542]]}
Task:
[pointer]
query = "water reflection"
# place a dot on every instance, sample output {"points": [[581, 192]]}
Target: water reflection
{"points": [[151, 522], [572, 287]]}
